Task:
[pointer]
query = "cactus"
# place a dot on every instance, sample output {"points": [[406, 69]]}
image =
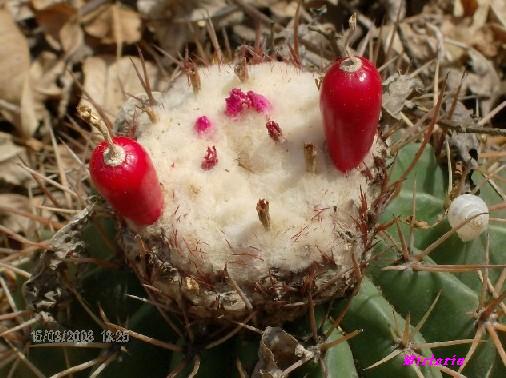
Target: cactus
{"points": [[388, 290]]}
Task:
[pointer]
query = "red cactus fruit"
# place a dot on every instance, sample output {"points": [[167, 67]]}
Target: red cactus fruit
{"points": [[350, 103], [124, 174]]}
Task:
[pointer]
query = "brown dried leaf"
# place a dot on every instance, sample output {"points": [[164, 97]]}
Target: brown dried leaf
{"points": [[422, 42], [14, 75], [20, 10], [278, 352], [397, 90], [50, 80], [107, 78], [469, 7], [498, 8], [43, 4], [51, 20], [282, 9], [167, 19], [10, 171], [114, 24], [44, 288]]}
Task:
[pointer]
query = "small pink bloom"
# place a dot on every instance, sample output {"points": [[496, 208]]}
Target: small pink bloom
{"points": [[259, 102], [202, 125], [210, 158], [236, 102]]}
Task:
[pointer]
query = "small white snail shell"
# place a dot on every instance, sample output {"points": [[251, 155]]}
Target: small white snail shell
{"points": [[464, 207]]}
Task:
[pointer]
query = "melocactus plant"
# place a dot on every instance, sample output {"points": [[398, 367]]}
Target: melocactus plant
{"points": [[256, 214]]}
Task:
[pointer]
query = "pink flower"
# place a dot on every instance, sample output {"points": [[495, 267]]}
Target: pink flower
{"points": [[259, 102], [203, 125], [236, 102]]}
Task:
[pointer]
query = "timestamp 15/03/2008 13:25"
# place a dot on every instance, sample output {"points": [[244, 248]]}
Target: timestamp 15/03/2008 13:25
{"points": [[79, 336]]}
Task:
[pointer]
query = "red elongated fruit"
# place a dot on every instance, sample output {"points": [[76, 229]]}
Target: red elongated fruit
{"points": [[124, 174], [350, 103]]}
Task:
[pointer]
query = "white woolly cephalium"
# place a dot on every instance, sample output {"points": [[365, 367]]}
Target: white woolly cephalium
{"points": [[250, 191]]}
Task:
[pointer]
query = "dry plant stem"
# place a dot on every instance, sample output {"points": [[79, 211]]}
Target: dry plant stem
{"points": [[98, 108], [416, 266], [456, 96], [78, 368], [353, 26], [404, 249], [14, 314], [425, 316], [240, 369], [178, 369], [214, 40], [230, 334], [428, 132], [311, 309], [257, 15], [83, 303], [33, 217], [337, 321], [483, 294], [497, 342], [492, 114], [387, 358], [96, 373], [477, 337], [146, 339], [196, 366], [43, 187], [449, 124], [59, 164], [439, 344], [240, 292], [444, 237], [296, 20], [25, 360], [331, 344], [21, 326], [21, 239], [47, 179]]}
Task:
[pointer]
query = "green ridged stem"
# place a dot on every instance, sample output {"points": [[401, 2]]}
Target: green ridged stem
{"points": [[371, 312]]}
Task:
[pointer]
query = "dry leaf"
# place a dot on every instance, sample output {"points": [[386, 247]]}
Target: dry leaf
{"points": [[108, 81], [499, 10], [397, 90], [43, 4], [10, 171], [422, 43], [51, 80], [20, 10], [114, 24], [14, 75], [469, 7], [278, 353], [51, 20], [168, 19], [282, 9]]}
